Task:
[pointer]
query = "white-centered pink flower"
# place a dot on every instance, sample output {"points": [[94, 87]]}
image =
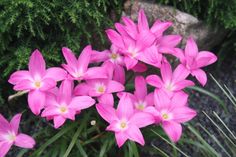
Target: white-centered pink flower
{"points": [[38, 80], [124, 121], [62, 105], [9, 135]]}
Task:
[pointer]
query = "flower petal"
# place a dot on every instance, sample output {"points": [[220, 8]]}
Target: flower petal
{"points": [[65, 92], [130, 62], [159, 27], [24, 141], [95, 72], [139, 67], [205, 58], [81, 102], [97, 56], [173, 130], [18, 76], [154, 80], [170, 40], [179, 99], [55, 73], [120, 138], [183, 84], [82, 89], [166, 72], [58, 121], [183, 114], [106, 99], [125, 107], [161, 99], [142, 21], [180, 73], [4, 124], [140, 87], [119, 74], [107, 112], [15, 121], [48, 83], [84, 58], [134, 134], [24, 85], [138, 119], [4, 148], [191, 49], [37, 64], [115, 38], [36, 101], [113, 86], [200, 76], [69, 57]]}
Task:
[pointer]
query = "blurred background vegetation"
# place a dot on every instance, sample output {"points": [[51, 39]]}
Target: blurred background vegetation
{"points": [[49, 25]]}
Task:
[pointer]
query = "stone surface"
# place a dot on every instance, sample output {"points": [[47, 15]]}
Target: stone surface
{"points": [[184, 24]]}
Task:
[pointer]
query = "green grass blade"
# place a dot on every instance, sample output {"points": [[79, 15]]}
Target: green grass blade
{"points": [[170, 143], [161, 151]]}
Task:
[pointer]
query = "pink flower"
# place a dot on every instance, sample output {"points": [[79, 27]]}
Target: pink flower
{"points": [[101, 88], [78, 68], [193, 60], [124, 121], [172, 112], [141, 99], [63, 105], [171, 82], [114, 57], [37, 81], [9, 135], [132, 39]]}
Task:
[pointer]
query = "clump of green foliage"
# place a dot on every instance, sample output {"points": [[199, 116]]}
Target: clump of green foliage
{"points": [[49, 25]]}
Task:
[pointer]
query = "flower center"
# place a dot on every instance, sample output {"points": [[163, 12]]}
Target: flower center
{"points": [[169, 86], [140, 107], [165, 116], [123, 125], [37, 84], [114, 56], [63, 109], [11, 137], [100, 88]]}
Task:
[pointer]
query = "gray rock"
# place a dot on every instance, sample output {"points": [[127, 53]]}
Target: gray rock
{"points": [[183, 24]]}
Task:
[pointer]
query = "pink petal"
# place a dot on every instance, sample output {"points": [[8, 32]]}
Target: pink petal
{"points": [[173, 130], [153, 111], [150, 99], [200, 76], [144, 40], [36, 101], [107, 112], [142, 119], [179, 99], [191, 49], [125, 107], [115, 38], [24, 141], [154, 80], [119, 74], [70, 114], [97, 56], [15, 121], [131, 27], [159, 27], [58, 121], [151, 56], [183, 114], [109, 66], [4, 124], [113, 86], [179, 54], [24, 85], [120, 138], [142, 21], [134, 134], [48, 83], [65, 92], [180, 73], [161, 99], [106, 99], [205, 58], [50, 111], [121, 29], [166, 72], [82, 89], [81, 102], [84, 58], [55, 73], [130, 62], [183, 84], [18, 76], [69, 57], [37, 64], [95, 72], [140, 87], [4, 148], [139, 67], [170, 40]]}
